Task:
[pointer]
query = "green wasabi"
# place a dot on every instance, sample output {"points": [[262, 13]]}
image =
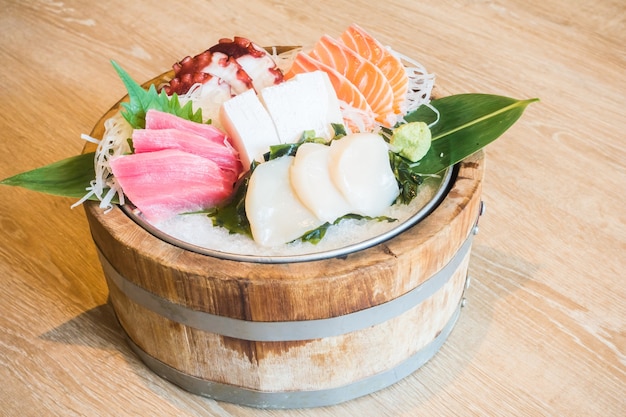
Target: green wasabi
{"points": [[411, 140]]}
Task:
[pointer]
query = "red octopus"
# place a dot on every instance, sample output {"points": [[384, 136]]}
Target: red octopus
{"points": [[238, 62]]}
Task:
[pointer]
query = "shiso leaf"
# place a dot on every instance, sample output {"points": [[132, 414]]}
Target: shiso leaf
{"points": [[467, 123], [141, 100]]}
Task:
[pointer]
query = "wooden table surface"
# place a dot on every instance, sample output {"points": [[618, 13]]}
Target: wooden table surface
{"points": [[544, 329]]}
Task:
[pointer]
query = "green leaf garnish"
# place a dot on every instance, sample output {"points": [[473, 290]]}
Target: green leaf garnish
{"points": [[408, 180], [68, 177], [308, 136], [467, 123], [316, 235], [141, 100], [276, 151], [232, 216], [339, 129]]}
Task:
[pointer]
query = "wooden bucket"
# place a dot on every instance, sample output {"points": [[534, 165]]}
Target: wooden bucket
{"points": [[292, 335]]}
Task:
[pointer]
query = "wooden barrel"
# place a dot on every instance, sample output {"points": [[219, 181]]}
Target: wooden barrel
{"points": [[292, 335]]}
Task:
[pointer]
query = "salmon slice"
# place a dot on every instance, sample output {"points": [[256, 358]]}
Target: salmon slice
{"points": [[346, 91], [371, 49], [367, 77]]}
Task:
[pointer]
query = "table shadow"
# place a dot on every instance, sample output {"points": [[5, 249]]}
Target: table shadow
{"points": [[97, 327]]}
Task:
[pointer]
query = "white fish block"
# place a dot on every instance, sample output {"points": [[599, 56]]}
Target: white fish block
{"points": [[249, 125], [306, 102]]}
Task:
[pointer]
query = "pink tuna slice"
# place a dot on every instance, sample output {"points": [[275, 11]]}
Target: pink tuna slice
{"points": [[164, 183], [225, 156], [156, 119]]}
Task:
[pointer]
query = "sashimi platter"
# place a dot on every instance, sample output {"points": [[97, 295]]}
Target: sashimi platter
{"points": [[256, 207], [247, 151]]}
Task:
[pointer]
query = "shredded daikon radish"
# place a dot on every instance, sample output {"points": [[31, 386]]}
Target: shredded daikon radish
{"points": [[114, 142], [89, 139], [434, 109], [284, 60], [421, 83], [209, 97], [357, 120]]}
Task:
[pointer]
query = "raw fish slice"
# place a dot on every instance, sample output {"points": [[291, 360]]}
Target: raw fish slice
{"points": [[311, 182], [255, 61], [345, 89], [228, 69], [275, 213], [164, 183], [308, 102], [367, 77], [360, 169], [258, 70], [369, 48], [249, 126], [161, 120], [150, 140]]}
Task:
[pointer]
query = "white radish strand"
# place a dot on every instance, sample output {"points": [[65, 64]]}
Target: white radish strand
{"points": [[114, 142], [421, 83], [284, 60]]}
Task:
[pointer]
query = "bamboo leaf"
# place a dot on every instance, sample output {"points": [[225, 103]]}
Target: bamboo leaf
{"points": [[67, 178], [467, 123]]}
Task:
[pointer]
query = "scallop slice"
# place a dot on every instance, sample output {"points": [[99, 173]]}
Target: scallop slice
{"points": [[360, 169], [275, 214], [310, 179]]}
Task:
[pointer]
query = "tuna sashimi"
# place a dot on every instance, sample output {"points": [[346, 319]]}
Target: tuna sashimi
{"points": [[150, 140], [369, 48], [164, 183], [156, 119], [367, 77]]}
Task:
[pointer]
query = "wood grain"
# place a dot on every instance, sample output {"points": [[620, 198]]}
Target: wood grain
{"points": [[544, 331]]}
